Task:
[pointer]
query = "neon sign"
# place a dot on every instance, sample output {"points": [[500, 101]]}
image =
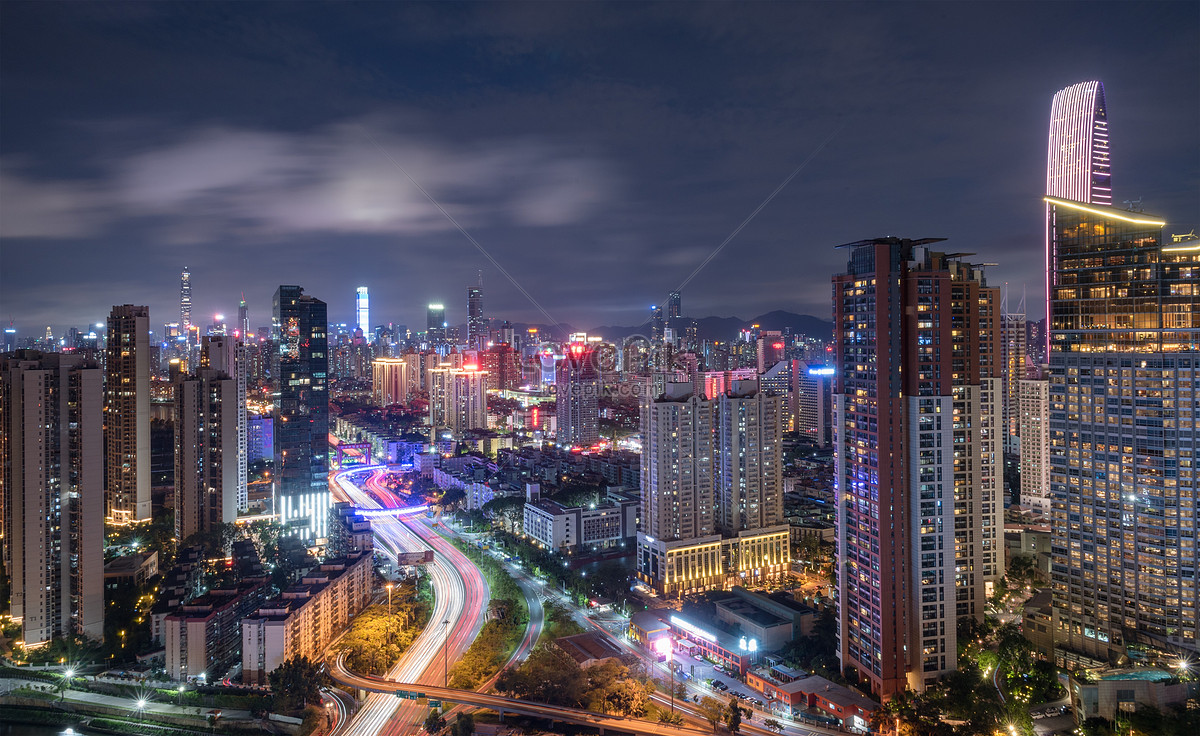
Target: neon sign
{"points": [[693, 629], [822, 371]]}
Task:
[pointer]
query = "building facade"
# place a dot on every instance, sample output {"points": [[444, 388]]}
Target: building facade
{"points": [[300, 368], [52, 500], [127, 415], [206, 452], [916, 427], [1033, 399], [306, 616], [390, 381], [577, 397], [231, 356], [749, 461], [813, 397], [203, 637], [1124, 382]]}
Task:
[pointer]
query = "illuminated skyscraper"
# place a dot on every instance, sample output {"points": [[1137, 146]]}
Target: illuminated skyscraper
{"points": [[362, 311], [674, 305], [476, 327], [231, 357], [577, 397], [749, 459], [185, 298], [1013, 336], [52, 478], [916, 433], [301, 368], [390, 381], [243, 320], [1124, 325], [435, 324], [1034, 419], [127, 415]]}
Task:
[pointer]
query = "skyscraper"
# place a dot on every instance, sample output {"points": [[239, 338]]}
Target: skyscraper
{"points": [[232, 358], [1033, 398], [677, 458], [300, 367], [206, 451], [577, 397], [127, 415], [435, 324], [1078, 168], [185, 299], [674, 306], [476, 326], [814, 402], [915, 430], [243, 320], [390, 381], [1124, 325], [749, 461], [362, 311], [52, 483], [1013, 336]]}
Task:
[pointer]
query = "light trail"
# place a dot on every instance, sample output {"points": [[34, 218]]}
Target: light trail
{"points": [[460, 597]]}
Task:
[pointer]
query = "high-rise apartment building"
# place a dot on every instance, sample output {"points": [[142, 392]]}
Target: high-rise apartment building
{"points": [[435, 324], [503, 364], [390, 382], [127, 415], [1013, 349], [577, 397], [300, 367], [1033, 399], [458, 399], [52, 493], [476, 325], [231, 356], [689, 541], [1124, 325], [769, 349], [362, 311], [206, 451], [749, 463], [916, 426]]}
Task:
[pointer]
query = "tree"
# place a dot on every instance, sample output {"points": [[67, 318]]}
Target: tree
{"points": [[670, 717], [733, 716], [434, 721], [549, 676], [712, 710], [464, 725], [773, 725], [297, 682]]}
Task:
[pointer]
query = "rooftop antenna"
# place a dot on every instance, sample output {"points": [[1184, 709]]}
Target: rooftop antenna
{"points": [[1134, 205], [1185, 236], [480, 278], [1021, 308]]}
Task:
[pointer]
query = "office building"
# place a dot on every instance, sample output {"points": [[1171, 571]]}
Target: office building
{"points": [[769, 349], [52, 502], [243, 327], [389, 381], [303, 620], [476, 325], [127, 415], [916, 423], [362, 311], [749, 459], [231, 356], [300, 366], [435, 324], [206, 452], [812, 394], [1124, 324], [1033, 400], [674, 306], [558, 528], [577, 397]]}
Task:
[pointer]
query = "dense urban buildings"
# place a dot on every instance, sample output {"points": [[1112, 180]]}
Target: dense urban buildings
{"points": [[52, 479], [127, 415], [390, 381], [300, 367], [915, 430]]}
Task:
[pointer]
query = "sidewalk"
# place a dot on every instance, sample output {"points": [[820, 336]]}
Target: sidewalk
{"points": [[126, 704]]}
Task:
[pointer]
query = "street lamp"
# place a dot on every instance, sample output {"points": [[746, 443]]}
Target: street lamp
{"points": [[663, 646], [67, 675], [389, 587], [181, 694]]}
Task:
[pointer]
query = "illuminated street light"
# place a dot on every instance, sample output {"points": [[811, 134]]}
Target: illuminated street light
{"points": [[181, 694], [141, 703]]}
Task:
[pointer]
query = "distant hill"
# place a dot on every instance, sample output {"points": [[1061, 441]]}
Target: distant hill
{"points": [[726, 328]]}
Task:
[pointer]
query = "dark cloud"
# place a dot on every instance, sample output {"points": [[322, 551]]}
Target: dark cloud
{"points": [[599, 152]]}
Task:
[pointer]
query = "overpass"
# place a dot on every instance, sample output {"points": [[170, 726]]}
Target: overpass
{"points": [[606, 724]]}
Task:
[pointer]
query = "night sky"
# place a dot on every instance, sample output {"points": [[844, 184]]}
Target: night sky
{"points": [[599, 152]]}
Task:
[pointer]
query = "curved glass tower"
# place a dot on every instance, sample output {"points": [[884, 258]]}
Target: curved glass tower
{"points": [[1077, 163]]}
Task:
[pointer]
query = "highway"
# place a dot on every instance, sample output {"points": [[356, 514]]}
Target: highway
{"points": [[460, 598]]}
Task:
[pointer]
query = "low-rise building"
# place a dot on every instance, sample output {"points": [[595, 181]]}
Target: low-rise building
{"points": [[1038, 623], [306, 617], [134, 569], [202, 637], [590, 648], [769, 631], [682, 567], [813, 699], [349, 532], [610, 523], [1108, 693]]}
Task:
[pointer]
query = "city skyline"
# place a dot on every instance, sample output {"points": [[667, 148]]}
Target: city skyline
{"points": [[579, 169]]}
